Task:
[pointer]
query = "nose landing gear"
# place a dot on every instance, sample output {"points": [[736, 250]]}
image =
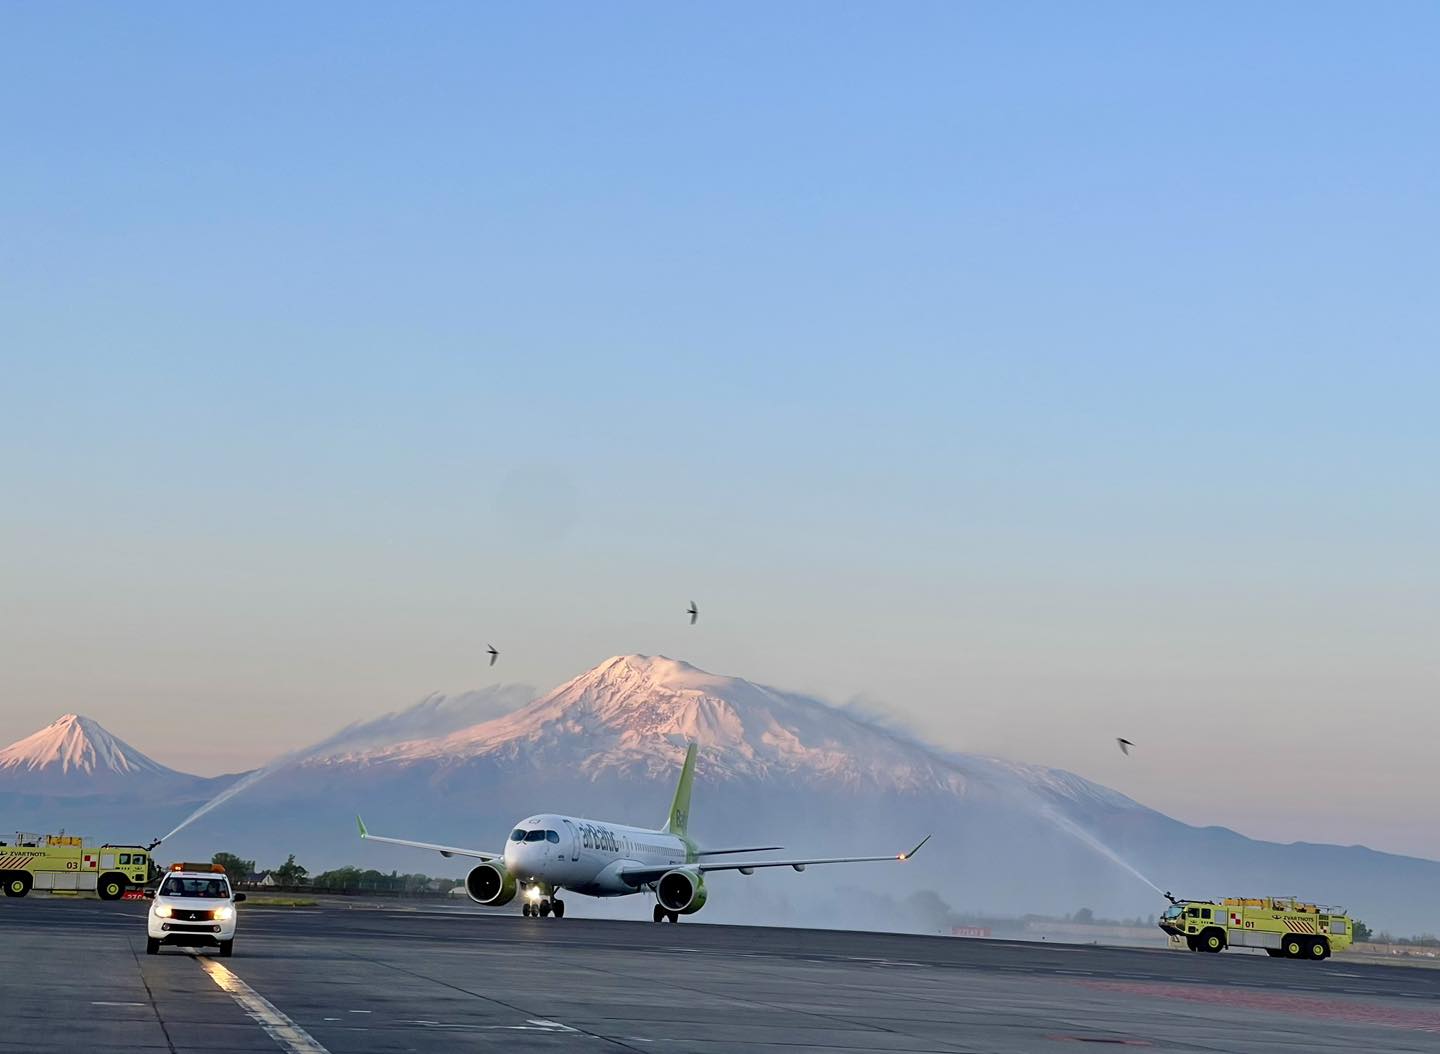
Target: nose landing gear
{"points": [[543, 907]]}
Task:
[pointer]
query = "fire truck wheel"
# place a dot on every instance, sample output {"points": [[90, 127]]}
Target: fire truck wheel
{"points": [[1212, 940], [227, 948], [1293, 948], [111, 887], [1318, 949], [1274, 953], [152, 946], [17, 884]]}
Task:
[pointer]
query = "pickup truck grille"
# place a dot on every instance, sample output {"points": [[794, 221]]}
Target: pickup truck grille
{"points": [[189, 915]]}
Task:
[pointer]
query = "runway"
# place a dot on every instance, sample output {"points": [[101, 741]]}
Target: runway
{"points": [[331, 979]]}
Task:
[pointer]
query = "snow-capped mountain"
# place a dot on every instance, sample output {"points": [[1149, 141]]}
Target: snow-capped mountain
{"points": [[76, 755], [632, 714]]}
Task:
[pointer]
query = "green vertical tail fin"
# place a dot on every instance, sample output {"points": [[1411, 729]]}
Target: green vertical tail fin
{"points": [[679, 819]]}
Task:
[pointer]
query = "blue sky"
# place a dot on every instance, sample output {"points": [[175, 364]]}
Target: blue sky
{"points": [[1039, 372]]}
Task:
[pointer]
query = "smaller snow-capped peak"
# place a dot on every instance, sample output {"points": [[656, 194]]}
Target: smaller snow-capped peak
{"points": [[80, 746]]}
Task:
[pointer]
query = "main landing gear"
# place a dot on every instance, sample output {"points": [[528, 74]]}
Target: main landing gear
{"points": [[661, 914]]}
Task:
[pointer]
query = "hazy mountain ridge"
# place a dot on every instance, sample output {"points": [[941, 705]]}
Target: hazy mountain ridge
{"points": [[1009, 837]]}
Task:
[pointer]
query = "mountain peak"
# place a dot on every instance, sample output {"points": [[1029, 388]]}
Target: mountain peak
{"points": [[637, 712], [80, 746]]}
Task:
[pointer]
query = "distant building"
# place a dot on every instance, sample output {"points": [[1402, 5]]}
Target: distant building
{"points": [[264, 878]]}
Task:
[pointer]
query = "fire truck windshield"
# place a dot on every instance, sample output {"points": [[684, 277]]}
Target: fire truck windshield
{"points": [[211, 888]]}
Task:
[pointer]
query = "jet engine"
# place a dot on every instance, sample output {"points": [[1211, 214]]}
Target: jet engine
{"points": [[490, 884], [681, 891]]}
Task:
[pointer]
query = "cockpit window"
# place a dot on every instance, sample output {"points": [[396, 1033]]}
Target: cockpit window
{"points": [[534, 836], [552, 836], [517, 835]]}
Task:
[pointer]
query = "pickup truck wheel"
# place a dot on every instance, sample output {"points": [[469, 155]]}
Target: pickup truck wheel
{"points": [[17, 884], [111, 887], [227, 948], [152, 946]]}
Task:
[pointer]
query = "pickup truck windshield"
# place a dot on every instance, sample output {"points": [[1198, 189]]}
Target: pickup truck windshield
{"points": [[210, 888]]}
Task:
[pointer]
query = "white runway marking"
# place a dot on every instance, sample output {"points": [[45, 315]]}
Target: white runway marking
{"points": [[101, 1002], [534, 1024], [291, 1037]]}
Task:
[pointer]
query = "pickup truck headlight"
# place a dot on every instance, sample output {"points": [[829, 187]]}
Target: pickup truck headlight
{"points": [[162, 911], [224, 914]]}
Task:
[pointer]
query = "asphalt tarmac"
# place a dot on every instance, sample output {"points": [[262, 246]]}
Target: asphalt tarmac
{"points": [[74, 976]]}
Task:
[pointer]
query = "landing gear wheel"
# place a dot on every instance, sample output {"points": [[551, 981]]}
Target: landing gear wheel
{"points": [[558, 906], [17, 885], [544, 909], [111, 887], [152, 946], [227, 948], [525, 910], [674, 917], [1318, 949], [1293, 948], [659, 913]]}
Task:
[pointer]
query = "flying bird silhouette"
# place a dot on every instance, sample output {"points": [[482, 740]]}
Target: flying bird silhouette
{"points": [[693, 612], [1125, 745], [493, 653]]}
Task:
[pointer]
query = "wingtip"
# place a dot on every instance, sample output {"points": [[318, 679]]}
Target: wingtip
{"points": [[361, 824], [907, 856]]}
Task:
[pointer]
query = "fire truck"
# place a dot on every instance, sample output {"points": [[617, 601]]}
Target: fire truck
{"points": [[1284, 926], [65, 863]]}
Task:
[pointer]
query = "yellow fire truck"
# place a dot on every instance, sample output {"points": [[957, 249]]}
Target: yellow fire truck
{"points": [[1283, 926], [65, 863]]}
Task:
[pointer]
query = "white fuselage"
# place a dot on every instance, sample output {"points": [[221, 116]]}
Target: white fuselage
{"points": [[586, 856]]}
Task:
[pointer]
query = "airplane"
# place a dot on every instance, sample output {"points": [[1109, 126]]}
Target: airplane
{"points": [[549, 852]]}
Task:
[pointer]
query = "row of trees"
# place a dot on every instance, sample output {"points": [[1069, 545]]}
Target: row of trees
{"points": [[340, 880], [289, 873]]}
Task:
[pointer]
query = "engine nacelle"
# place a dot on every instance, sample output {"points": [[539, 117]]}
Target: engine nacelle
{"points": [[490, 884], [681, 891]]}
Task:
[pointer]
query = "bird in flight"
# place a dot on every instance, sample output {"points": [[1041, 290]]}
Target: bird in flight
{"points": [[493, 653], [693, 612], [1125, 746]]}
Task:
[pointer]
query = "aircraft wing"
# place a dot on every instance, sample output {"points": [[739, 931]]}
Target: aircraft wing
{"points": [[640, 875], [732, 852], [444, 850]]}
